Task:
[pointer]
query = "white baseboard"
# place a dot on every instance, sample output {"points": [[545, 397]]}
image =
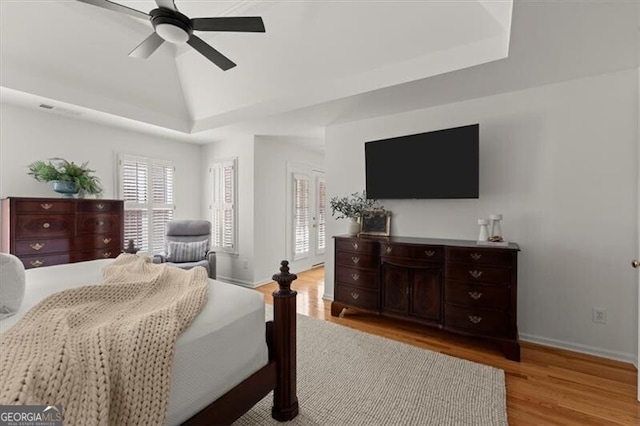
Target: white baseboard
{"points": [[328, 297], [265, 281], [237, 282], [576, 347]]}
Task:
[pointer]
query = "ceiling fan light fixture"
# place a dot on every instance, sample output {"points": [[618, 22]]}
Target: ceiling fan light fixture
{"points": [[172, 34]]}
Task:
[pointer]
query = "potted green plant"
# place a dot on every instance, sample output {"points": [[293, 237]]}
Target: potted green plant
{"points": [[68, 178], [351, 207]]}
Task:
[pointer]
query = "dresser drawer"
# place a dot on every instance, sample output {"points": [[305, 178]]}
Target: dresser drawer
{"points": [[43, 226], [478, 273], [41, 261], [356, 245], [105, 253], [357, 297], [476, 320], [360, 278], [480, 256], [429, 253], [89, 242], [41, 246], [43, 206], [99, 206], [477, 295], [355, 260], [98, 223]]}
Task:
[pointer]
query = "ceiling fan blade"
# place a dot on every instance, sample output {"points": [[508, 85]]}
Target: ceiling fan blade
{"points": [[147, 47], [167, 4], [249, 24], [115, 7], [210, 53]]}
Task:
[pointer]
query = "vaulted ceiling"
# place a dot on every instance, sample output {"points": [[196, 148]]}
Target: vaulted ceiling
{"points": [[312, 52], [319, 62]]}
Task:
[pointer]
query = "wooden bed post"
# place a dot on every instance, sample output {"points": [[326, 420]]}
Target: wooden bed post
{"points": [[285, 399]]}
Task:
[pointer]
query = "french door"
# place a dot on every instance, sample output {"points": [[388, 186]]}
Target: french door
{"points": [[308, 209]]}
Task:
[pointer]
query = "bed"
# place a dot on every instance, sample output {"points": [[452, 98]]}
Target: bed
{"points": [[222, 357]]}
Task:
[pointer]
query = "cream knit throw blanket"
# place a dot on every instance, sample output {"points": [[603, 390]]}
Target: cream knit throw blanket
{"points": [[104, 351]]}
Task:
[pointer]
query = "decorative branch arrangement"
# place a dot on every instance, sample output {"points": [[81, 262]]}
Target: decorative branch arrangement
{"points": [[352, 206]]}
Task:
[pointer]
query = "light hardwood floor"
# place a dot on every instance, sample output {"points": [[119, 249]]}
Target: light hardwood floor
{"points": [[548, 387]]}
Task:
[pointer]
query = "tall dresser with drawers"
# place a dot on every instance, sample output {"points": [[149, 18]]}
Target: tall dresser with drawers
{"points": [[51, 231], [455, 285]]}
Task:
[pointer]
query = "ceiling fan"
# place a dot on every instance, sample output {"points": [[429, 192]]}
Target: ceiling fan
{"points": [[172, 26]]}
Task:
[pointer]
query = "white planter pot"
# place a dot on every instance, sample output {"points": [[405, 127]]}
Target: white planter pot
{"points": [[354, 227]]}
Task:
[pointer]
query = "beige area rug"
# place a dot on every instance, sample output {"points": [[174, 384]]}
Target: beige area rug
{"points": [[347, 377]]}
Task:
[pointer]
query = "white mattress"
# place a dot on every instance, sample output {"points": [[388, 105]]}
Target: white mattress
{"points": [[224, 345]]}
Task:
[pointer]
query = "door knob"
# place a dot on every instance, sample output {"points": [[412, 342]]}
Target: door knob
{"points": [[635, 263]]}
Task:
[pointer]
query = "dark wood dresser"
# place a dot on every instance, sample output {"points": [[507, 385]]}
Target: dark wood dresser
{"points": [[51, 231], [456, 285]]}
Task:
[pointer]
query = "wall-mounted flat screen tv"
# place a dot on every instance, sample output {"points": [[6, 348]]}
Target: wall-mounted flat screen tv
{"points": [[438, 164]]}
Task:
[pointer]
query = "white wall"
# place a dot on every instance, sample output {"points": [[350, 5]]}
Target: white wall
{"points": [[560, 162], [271, 157], [27, 135], [237, 268]]}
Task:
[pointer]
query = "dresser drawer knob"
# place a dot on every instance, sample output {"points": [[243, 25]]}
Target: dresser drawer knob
{"points": [[475, 274], [36, 263], [429, 252], [355, 260], [106, 254], [46, 225], [36, 246], [475, 319], [100, 222], [388, 249], [355, 246], [106, 240], [475, 256], [475, 295], [355, 295], [100, 206], [46, 206], [355, 277]]}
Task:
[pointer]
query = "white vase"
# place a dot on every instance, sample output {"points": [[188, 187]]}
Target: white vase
{"points": [[354, 226]]}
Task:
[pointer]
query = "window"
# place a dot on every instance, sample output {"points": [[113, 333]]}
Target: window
{"points": [[301, 193], [146, 186], [223, 206]]}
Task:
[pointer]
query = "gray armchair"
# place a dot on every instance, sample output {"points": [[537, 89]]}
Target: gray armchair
{"points": [[187, 246]]}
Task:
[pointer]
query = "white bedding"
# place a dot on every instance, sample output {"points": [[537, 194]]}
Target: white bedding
{"points": [[223, 346]]}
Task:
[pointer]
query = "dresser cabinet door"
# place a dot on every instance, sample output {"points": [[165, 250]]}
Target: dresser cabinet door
{"points": [[395, 289], [426, 293]]}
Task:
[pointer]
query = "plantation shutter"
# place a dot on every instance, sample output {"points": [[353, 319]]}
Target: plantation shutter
{"points": [[146, 186], [223, 211], [301, 215], [321, 194], [162, 207]]}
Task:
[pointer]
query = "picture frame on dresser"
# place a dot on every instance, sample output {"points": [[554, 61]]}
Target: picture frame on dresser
{"points": [[375, 223]]}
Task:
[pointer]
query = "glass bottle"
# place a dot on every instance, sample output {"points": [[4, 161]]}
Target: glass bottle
{"points": [[496, 230]]}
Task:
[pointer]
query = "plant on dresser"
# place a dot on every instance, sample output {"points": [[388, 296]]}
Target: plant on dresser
{"points": [[51, 231], [450, 284], [67, 177]]}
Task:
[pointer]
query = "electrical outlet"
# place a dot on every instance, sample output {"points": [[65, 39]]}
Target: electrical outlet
{"points": [[600, 315]]}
